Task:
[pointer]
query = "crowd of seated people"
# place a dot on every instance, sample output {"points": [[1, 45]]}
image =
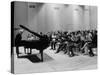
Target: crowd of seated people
{"points": [[74, 43]]}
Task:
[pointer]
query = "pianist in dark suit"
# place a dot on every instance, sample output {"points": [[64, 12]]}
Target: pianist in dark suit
{"points": [[18, 40]]}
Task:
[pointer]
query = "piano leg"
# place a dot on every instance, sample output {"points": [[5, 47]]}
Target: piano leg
{"points": [[41, 51], [17, 51], [30, 50]]}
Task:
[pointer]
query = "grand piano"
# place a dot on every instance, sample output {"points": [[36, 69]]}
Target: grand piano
{"points": [[40, 44]]}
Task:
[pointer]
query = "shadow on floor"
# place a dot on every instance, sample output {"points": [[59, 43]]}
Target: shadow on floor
{"points": [[34, 58]]}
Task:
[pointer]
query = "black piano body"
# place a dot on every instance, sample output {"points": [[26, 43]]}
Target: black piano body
{"points": [[40, 44]]}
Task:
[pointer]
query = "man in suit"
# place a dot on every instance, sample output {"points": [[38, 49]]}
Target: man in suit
{"points": [[18, 40]]}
